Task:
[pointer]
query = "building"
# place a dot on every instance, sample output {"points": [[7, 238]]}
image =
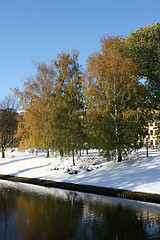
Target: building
{"points": [[153, 137]]}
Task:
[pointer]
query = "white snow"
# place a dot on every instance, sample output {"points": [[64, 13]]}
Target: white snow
{"points": [[137, 172]]}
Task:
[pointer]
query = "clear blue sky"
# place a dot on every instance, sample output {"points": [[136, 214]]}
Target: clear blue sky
{"points": [[40, 29]]}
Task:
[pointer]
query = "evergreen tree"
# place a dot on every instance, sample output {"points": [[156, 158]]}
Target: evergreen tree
{"points": [[114, 98]]}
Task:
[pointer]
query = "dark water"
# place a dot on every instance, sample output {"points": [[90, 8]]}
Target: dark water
{"points": [[31, 212]]}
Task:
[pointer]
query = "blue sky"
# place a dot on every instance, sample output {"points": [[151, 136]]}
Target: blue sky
{"points": [[40, 29]]}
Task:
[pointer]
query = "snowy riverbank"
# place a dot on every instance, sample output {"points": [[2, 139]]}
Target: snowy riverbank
{"points": [[136, 173]]}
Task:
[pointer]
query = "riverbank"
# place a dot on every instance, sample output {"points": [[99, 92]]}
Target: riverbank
{"points": [[120, 193], [137, 177]]}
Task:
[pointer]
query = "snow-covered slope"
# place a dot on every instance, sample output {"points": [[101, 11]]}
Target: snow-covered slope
{"points": [[136, 173]]}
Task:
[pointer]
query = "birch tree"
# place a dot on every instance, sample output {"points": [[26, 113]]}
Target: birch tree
{"points": [[114, 98], [67, 105], [34, 99]]}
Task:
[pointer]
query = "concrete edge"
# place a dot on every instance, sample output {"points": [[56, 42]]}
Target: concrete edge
{"points": [[112, 192]]}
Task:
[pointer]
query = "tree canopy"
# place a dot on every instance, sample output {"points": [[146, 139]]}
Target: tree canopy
{"points": [[144, 49], [107, 106]]}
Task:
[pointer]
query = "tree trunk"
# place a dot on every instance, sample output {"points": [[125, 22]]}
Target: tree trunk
{"points": [[73, 157], [3, 152], [87, 151], [47, 156], [61, 153], [147, 150], [119, 155]]}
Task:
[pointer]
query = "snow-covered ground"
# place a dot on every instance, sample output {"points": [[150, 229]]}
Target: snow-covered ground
{"points": [[136, 173]]}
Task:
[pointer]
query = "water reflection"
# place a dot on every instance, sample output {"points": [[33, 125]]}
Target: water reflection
{"points": [[28, 212]]}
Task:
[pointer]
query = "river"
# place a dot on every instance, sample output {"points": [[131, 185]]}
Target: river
{"points": [[32, 212]]}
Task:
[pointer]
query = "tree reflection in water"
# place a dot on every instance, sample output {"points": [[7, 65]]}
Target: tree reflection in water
{"points": [[30, 215]]}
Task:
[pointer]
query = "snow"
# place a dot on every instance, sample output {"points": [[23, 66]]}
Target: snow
{"points": [[137, 172]]}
